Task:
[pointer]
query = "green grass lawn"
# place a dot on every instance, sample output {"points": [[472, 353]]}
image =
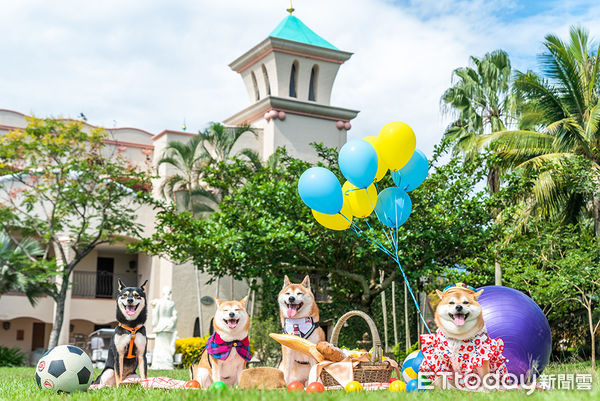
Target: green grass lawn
{"points": [[18, 384]]}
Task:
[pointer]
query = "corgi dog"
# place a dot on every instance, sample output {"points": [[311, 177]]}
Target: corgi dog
{"points": [[228, 348], [299, 316], [127, 350]]}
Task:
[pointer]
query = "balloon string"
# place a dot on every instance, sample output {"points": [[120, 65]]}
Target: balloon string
{"points": [[392, 254], [360, 232], [373, 231], [412, 295], [395, 258]]}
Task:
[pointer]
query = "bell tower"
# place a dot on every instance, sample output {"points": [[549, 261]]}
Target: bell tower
{"points": [[289, 77]]}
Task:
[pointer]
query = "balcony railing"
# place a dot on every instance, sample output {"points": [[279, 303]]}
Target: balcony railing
{"points": [[99, 284]]}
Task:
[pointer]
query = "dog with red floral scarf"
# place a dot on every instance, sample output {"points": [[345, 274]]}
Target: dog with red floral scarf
{"points": [[461, 347], [228, 348]]}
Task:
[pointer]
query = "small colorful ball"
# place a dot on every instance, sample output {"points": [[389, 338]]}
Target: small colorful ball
{"points": [[192, 384], [397, 386], [295, 386], [412, 385], [218, 386], [416, 362], [354, 387], [408, 372], [315, 387]]}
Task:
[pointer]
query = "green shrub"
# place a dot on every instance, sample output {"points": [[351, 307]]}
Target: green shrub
{"points": [[400, 353], [190, 349], [268, 351], [11, 357]]}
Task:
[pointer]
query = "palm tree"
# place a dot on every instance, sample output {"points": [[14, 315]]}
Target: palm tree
{"points": [[482, 101], [218, 141], [212, 145], [19, 270], [185, 186], [565, 114]]}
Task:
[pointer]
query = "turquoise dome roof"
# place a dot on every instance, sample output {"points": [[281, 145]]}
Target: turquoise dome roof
{"points": [[291, 28]]}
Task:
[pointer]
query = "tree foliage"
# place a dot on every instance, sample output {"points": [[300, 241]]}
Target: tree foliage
{"points": [[264, 230], [62, 186], [564, 114]]}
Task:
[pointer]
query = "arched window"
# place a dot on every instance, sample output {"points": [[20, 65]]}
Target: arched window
{"points": [[312, 86], [294, 80], [266, 78], [256, 93]]}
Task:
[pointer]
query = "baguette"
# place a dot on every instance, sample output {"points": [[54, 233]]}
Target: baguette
{"points": [[298, 344]]}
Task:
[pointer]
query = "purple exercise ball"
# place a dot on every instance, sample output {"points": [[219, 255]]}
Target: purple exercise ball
{"points": [[520, 323]]}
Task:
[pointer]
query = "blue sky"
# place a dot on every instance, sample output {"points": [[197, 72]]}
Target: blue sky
{"points": [[150, 64]]}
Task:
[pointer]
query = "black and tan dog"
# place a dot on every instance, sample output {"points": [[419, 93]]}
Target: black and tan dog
{"points": [[127, 349]]}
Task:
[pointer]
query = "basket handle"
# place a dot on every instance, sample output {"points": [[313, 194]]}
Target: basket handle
{"points": [[377, 351]]}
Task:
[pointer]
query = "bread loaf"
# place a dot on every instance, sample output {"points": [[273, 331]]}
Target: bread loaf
{"points": [[330, 352]]}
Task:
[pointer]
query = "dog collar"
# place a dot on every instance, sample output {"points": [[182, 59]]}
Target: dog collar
{"points": [[131, 338], [302, 327]]}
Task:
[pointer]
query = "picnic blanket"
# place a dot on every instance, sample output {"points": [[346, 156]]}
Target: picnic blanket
{"points": [[151, 382]]}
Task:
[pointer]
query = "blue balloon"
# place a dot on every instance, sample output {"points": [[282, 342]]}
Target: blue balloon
{"points": [[358, 162], [416, 361], [320, 190], [393, 207], [413, 173]]}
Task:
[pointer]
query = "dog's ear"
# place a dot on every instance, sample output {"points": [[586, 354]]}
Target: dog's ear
{"points": [[286, 281], [218, 302], [439, 293], [306, 282], [478, 293], [244, 300], [121, 285], [143, 286]]}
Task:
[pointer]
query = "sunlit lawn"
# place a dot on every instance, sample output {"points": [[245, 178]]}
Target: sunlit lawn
{"points": [[19, 384]]}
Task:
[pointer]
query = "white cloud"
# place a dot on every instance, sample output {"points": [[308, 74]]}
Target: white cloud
{"points": [[150, 64]]}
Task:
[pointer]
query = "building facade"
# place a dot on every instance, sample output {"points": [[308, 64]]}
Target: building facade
{"points": [[289, 77]]}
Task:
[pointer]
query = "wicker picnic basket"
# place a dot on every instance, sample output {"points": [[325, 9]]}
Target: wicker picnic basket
{"points": [[376, 371]]}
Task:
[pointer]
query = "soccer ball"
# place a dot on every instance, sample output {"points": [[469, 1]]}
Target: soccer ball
{"points": [[64, 368]]}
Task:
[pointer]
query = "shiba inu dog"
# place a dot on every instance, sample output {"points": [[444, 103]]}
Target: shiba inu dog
{"points": [[228, 349], [458, 314], [299, 316], [127, 350], [461, 344]]}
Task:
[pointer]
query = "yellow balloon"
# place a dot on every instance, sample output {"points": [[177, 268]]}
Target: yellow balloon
{"points": [[362, 201], [339, 221], [397, 143], [382, 167]]}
